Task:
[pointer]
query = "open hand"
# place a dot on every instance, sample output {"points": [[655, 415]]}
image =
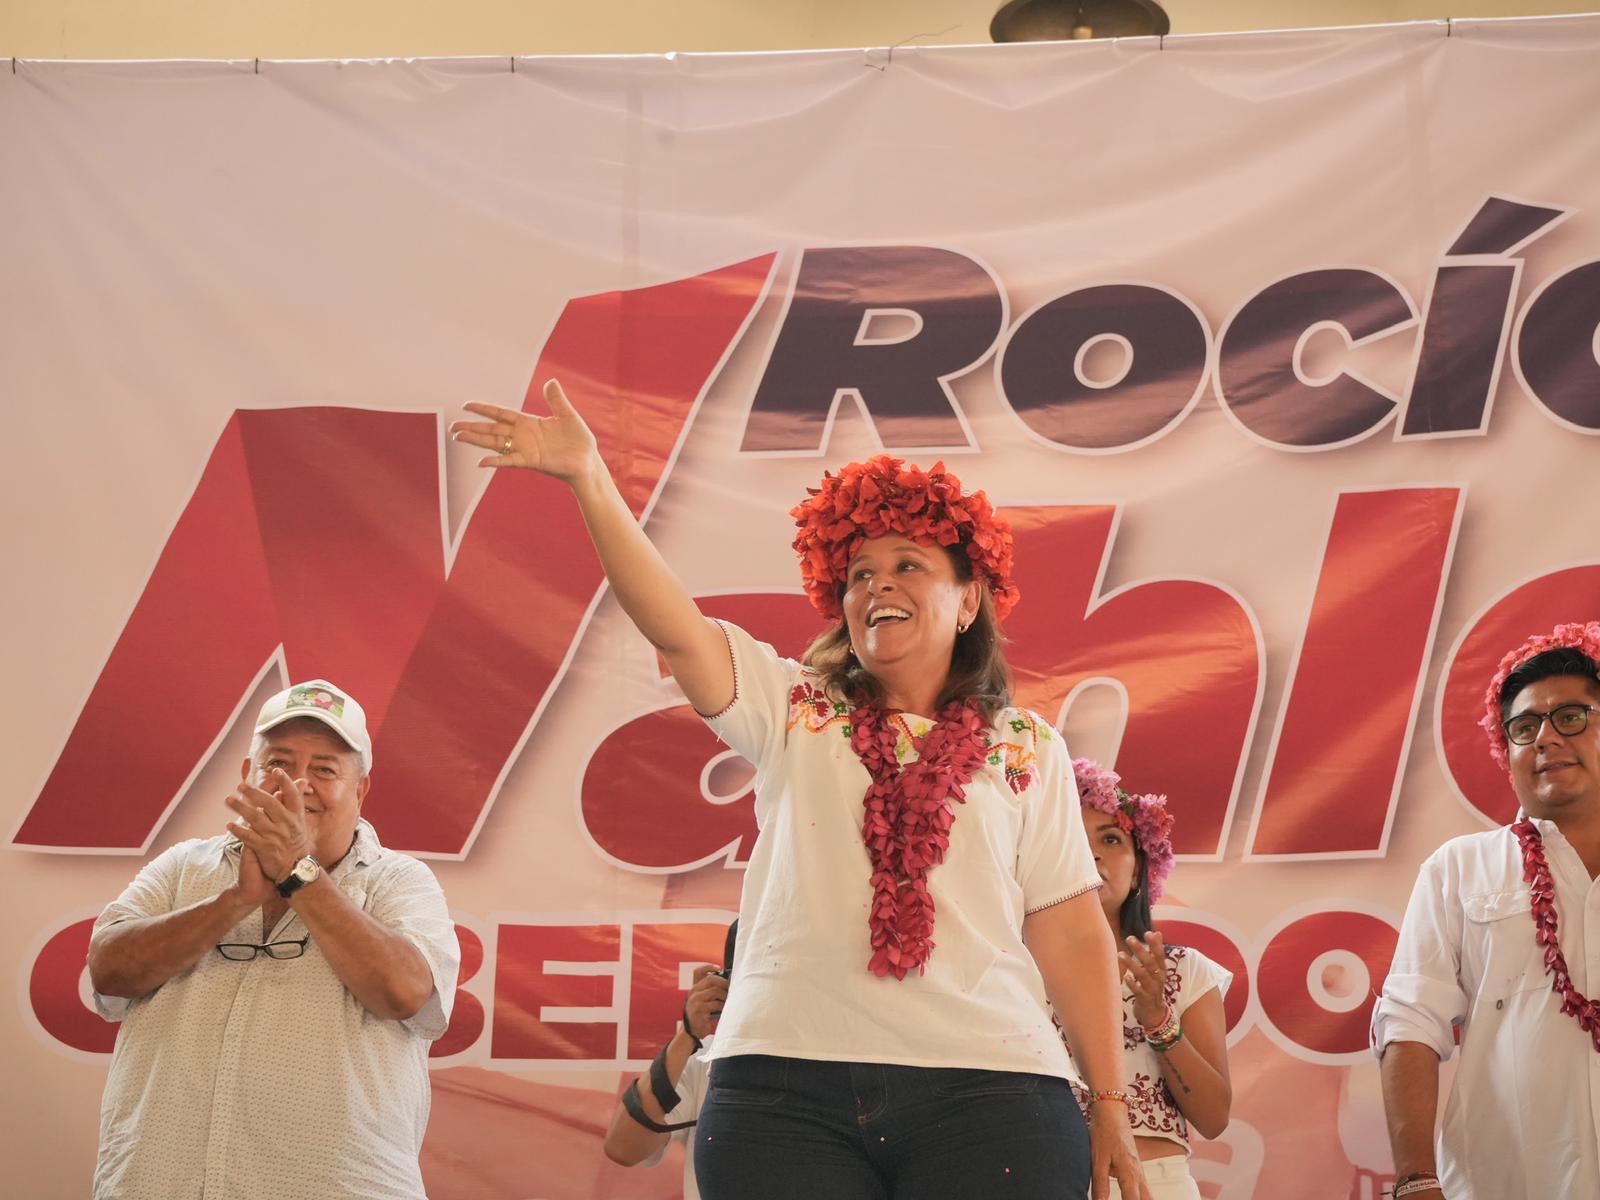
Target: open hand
{"points": [[1144, 970], [1114, 1154], [559, 445]]}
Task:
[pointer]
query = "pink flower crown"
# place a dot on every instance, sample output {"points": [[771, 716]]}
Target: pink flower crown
{"points": [[1583, 637], [886, 495], [1143, 818]]}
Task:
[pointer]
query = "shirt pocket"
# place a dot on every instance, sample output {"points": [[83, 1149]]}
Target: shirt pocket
{"points": [[1513, 963]]}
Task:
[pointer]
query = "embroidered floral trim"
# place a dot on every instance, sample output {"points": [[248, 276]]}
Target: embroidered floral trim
{"points": [[811, 710], [1019, 762], [733, 659], [1581, 637], [887, 495], [1143, 818], [1088, 887], [1536, 871], [909, 811]]}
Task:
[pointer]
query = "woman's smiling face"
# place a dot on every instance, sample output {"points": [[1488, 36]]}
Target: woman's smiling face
{"points": [[904, 603]]}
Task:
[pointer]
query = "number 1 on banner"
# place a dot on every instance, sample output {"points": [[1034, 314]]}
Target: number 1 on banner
{"points": [[311, 545]]}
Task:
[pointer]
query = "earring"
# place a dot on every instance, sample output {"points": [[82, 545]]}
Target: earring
{"points": [[962, 627]]}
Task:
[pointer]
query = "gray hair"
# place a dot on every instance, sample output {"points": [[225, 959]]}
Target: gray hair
{"points": [[259, 743]]}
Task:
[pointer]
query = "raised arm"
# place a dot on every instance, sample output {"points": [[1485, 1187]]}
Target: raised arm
{"points": [[1195, 1068], [562, 446], [1076, 955]]}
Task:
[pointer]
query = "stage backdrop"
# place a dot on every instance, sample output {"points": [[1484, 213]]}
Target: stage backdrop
{"points": [[1279, 349]]}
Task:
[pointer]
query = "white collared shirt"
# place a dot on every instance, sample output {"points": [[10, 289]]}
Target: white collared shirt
{"points": [[1523, 1118], [237, 1080]]}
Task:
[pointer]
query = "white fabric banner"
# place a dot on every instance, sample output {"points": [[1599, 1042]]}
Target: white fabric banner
{"points": [[1282, 351]]}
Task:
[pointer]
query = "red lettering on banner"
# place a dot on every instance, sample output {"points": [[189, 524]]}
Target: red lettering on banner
{"points": [[577, 994], [53, 992], [466, 1014], [1332, 776], [655, 993], [311, 529], [1537, 606], [1187, 653], [1290, 980], [539, 967], [644, 801]]}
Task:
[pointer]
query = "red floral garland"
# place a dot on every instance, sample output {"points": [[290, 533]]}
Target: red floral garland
{"points": [[906, 828], [1536, 871]]}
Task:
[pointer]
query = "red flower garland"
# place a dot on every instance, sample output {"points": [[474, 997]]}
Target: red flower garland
{"points": [[909, 813], [1536, 871]]}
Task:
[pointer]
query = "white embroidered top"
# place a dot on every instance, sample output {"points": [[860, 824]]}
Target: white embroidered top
{"points": [[1152, 1109], [1018, 845]]}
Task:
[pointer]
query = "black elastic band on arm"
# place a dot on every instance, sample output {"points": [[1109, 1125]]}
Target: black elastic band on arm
{"points": [[635, 1109], [666, 1095]]}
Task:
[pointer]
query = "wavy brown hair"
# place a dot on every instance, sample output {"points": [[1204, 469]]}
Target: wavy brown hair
{"points": [[978, 667]]}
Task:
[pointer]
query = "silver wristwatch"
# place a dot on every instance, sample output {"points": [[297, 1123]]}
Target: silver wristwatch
{"points": [[305, 871]]}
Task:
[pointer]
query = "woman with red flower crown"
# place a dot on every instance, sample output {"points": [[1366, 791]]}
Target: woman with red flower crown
{"points": [[1173, 1029], [921, 882]]}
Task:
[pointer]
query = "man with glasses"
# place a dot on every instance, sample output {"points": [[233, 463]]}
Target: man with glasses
{"points": [[278, 986], [1501, 948]]}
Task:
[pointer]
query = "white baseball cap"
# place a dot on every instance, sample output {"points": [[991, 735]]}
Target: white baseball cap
{"points": [[321, 701]]}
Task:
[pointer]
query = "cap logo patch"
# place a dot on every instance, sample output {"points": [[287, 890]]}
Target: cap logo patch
{"points": [[316, 697]]}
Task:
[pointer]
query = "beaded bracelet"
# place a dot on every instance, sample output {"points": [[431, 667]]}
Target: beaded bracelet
{"points": [[1115, 1094], [1163, 1047], [1164, 1032]]}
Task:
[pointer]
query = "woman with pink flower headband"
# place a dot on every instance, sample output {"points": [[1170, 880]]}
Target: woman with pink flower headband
{"points": [[921, 882], [1174, 1034], [1499, 958]]}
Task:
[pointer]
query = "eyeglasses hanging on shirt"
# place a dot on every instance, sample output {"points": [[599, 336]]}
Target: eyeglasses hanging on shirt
{"points": [[245, 951]]}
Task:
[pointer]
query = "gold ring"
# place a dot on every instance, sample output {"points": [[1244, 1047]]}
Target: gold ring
{"points": [[505, 446]]}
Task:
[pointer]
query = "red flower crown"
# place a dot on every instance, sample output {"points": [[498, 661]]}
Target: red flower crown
{"points": [[886, 495], [1575, 636]]}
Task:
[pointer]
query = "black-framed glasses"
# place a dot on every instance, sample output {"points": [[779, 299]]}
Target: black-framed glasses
{"points": [[245, 951], [1565, 719]]}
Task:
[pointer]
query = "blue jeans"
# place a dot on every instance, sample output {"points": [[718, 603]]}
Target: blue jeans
{"points": [[798, 1129]]}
